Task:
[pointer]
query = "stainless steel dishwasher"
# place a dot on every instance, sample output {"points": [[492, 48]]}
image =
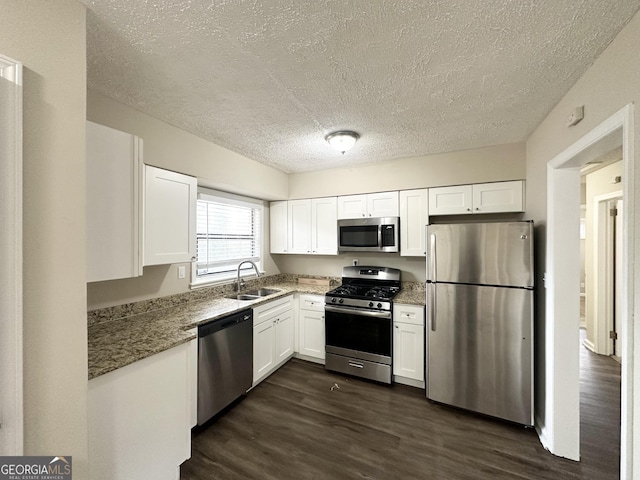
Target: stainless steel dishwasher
{"points": [[225, 362]]}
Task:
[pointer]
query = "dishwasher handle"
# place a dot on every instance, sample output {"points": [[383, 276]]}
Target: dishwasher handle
{"points": [[210, 328]]}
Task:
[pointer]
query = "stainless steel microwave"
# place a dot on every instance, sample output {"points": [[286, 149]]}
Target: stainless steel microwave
{"points": [[369, 234]]}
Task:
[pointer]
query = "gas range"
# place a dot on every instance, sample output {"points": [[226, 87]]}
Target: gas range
{"points": [[366, 287], [359, 322]]}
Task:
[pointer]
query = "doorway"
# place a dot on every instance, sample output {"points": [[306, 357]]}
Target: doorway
{"points": [[561, 433]]}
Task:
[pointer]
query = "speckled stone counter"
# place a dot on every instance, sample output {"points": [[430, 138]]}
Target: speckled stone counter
{"points": [[412, 293], [114, 342]]}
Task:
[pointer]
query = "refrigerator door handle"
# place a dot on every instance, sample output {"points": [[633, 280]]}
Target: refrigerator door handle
{"points": [[432, 257], [431, 288]]}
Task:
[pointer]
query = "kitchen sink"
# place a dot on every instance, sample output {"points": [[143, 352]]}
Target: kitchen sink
{"points": [[255, 294]]}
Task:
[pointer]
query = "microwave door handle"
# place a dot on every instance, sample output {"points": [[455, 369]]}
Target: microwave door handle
{"points": [[380, 237]]}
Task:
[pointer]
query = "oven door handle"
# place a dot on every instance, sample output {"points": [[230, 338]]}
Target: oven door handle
{"points": [[357, 311]]}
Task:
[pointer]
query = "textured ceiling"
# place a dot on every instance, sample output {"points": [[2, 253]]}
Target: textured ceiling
{"points": [[270, 78]]}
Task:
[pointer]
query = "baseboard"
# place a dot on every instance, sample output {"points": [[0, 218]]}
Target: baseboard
{"points": [[541, 431], [307, 358], [589, 345], [408, 381]]}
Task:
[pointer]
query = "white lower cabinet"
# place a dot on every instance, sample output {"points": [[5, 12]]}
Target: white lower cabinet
{"points": [[311, 339], [408, 344], [273, 328], [140, 417]]}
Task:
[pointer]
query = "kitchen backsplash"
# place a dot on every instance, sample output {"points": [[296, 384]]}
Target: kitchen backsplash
{"points": [[128, 309]]}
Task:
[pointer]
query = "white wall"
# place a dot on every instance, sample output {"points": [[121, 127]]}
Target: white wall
{"points": [[166, 146], [215, 167], [608, 85], [49, 38], [478, 165]]}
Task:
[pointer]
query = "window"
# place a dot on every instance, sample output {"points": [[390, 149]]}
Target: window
{"points": [[228, 231]]}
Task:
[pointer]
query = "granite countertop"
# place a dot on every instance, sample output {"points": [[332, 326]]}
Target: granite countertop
{"points": [[116, 343], [411, 297]]}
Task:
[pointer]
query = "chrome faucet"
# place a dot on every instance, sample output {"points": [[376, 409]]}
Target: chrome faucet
{"points": [[240, 283]]}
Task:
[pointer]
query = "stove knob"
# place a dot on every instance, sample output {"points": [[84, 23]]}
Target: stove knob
{"points": [[342, 300], [334, 300], [379, 305], [370, 304]]}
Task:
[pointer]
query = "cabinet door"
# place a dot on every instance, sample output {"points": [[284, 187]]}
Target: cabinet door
{"points": [[311, 333], [413, 220], [408, 350], [384, 204], [278, 227], [299, 226], [113, 203], [139, 418], [450, 200], [352, 206], [263, 349], [498, 197], [284, 336], [324, 226], [170, 217]]}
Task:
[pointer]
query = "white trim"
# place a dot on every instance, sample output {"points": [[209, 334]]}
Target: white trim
{"points": [[209, 195], [561, 432], [602, 273], [588, 344], [11, 309]]}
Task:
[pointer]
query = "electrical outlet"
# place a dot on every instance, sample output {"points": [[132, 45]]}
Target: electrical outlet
{"points": [[355, 262], [182, 271]]}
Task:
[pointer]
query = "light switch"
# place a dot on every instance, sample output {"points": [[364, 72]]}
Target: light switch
{"points": [[181, 271]]}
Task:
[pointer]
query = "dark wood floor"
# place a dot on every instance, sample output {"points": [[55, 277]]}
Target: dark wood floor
{"points": [[295, 426]]}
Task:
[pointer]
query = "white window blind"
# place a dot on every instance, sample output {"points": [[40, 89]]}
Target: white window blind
{"points": [[228, 231]]}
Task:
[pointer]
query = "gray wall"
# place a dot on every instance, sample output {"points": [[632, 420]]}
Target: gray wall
{"points": [[49, 39]]}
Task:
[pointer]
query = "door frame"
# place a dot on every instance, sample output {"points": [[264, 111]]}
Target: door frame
{"points": [[602, 272], [11, 364], [560, 429]]}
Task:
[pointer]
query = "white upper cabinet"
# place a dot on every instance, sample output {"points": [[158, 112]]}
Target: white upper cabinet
{"points": [[170, 217], [299, 226], [493, 197], [311, 226], [352, 206], [451, 200], [113, 203], [414, 216], [384, 204], [498, 197], [324, 226], [278, 227]]}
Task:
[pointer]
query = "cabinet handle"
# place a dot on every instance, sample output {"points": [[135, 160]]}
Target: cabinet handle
{"points": [[468, 209], [477, 209], [397, 326]]}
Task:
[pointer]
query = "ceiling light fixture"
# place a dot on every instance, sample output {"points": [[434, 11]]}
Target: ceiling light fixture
{"points": [[342, 140]]}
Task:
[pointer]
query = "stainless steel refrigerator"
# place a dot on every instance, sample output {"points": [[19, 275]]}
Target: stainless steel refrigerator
{"points": [[480, 318]]}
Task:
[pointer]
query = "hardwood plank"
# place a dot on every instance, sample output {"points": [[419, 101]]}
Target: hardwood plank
{"points": [[295, 426]]}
